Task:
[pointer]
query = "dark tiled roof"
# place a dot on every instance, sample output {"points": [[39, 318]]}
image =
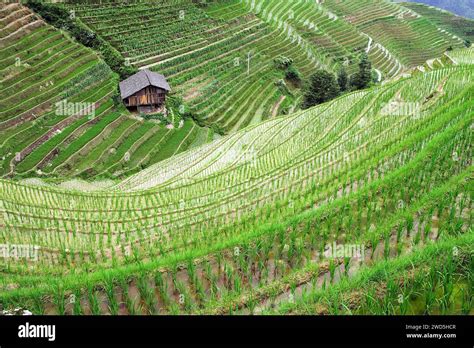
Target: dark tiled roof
{"points": [[140, 80]]}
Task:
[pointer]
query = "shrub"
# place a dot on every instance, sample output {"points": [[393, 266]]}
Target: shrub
{"points": [[217, 129], [117, 99], [293, 74], [283, 62]]}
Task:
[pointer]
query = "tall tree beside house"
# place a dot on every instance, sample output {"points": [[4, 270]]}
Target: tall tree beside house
{"points": [[343, 80], [363, 77], [322, 87]]}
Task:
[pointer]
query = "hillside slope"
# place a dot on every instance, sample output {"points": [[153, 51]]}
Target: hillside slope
{"points": [[225, 227], [85, 134], [463, 8], [408, 36], [460, 26], [219, 57]]}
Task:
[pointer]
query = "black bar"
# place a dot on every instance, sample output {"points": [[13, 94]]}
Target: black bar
{"points": [[243, 330]]}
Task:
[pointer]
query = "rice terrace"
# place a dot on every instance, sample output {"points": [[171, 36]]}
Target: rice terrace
{"points": [[235, 157]]}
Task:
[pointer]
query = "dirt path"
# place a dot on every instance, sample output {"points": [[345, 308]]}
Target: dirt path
{"points": [[276, 107]]}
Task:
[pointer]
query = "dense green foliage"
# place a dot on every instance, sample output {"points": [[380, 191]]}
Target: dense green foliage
{"points": [[322, 87], [463, 8], [363, 77]]}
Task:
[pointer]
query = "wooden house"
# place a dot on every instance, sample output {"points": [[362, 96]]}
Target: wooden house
{"points": [[144, 91]]}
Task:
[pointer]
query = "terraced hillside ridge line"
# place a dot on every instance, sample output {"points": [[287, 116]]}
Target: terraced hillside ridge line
{"points": [[445, 20], [463, 8], [216, 56], [409, 37], [250, 222], [40, 67], [211, 69]]}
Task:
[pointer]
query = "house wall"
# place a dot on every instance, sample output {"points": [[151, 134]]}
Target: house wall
{"points": [[148, 96]]}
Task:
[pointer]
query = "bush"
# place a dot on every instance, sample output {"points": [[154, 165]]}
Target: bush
{"points": [[293, 74], [281, 84], [283, 62], [157, 116], [117, 99]]}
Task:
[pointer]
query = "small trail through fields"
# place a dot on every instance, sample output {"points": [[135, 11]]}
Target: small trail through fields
{"points": [[276, 107]]}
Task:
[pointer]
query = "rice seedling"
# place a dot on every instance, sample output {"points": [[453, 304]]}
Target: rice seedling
{"points": [[147, 294], [93, 300]]}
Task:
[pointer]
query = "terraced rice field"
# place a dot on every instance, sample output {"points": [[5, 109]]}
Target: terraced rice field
{"points": [[460, 26], [399, 31], [222, 51], [41, 66], [462, 56], [219, 57], [245, 224]]}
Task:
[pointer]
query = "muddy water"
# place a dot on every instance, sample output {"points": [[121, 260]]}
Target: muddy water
{"points": [[417, 303]]}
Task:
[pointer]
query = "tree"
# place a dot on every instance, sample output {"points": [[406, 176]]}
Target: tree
{"points": [[363, 77], [322, 87], [343, 80]]}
